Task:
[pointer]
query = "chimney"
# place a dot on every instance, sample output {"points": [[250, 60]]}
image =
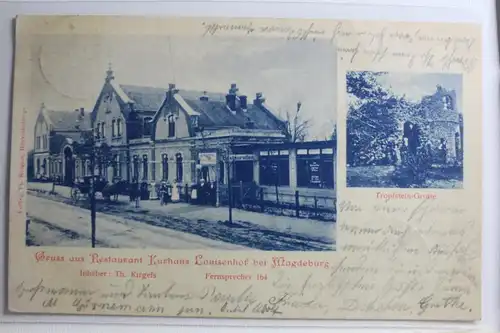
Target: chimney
{"points": [[243, 102], [204, 97], [231, 102], [231, 97], [82, 112], [171, 90], [234, 89], [259, 99]]}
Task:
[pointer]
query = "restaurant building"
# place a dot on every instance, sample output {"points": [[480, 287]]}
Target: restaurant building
{"points": [[153, 135]]}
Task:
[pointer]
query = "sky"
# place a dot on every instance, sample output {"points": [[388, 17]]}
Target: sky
{"points": [[68, 72], [415, 86]]}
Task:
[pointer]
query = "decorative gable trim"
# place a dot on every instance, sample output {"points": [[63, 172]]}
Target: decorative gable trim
{"points": [[182, 103], [119, 91]]}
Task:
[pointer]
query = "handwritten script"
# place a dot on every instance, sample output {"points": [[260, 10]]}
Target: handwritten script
{"points": [[357, 281], [413, 47]]}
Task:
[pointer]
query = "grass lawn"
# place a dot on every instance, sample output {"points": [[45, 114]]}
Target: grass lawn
{"points": [[381, 176]]}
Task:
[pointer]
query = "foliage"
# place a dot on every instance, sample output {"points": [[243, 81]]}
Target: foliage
{"points": [[333, 136], [374, 119], [296, 129], [89, 148], [415, 171]]}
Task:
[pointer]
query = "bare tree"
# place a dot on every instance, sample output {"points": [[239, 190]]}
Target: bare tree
{"points": [[295, 128], [334, 133]]}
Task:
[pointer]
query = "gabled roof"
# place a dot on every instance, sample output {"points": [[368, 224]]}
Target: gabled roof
{"points": [[144, 98], [214, 112], [67, 120]]}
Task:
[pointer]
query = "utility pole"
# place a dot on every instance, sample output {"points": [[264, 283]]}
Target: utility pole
{"points": [[229, 179], [93, 154], [138, 189]]}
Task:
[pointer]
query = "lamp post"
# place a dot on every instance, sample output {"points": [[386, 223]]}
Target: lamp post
{"points": [[93, 153]]}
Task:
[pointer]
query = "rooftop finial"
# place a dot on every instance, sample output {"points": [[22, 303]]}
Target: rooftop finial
{"points": [[109, 73], [42, 106]]}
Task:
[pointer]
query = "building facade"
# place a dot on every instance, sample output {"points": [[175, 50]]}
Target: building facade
{"points": [[55, 133], [153, 135], [444, 124]]}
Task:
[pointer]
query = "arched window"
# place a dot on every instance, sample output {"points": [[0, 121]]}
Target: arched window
{"points": [[103, 132], [147, 126], [144, 167], [171, 126], [458, 144], [118, 127], [179, 168], [114, 164], [44, 166], [113, 132], [88, 168], [164, 164], [136, 168], [447, 103]]}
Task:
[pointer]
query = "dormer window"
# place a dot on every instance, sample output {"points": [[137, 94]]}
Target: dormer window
{"points": [[194, 121], [171, 126]]}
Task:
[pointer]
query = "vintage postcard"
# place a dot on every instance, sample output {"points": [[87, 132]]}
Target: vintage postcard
{"points": [[246, 168]]}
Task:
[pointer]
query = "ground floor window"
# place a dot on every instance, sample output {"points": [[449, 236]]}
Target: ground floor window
{"points": [[179, 168], [164, 167], [89, 168], [44, 166], [135, 165], [274, 168], [144, 167], [117, 168], [77, 168], [315, 168], [243, 171], [205, 173]]}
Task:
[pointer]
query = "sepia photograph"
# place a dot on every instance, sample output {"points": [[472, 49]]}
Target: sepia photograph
{"points": [[182, 143], [404, 130]]}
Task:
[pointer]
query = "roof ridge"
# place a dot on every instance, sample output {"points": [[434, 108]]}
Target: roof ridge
{"points": [[141, 86]]}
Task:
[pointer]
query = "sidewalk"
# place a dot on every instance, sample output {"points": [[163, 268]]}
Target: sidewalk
{"points": [[308, 228]]}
